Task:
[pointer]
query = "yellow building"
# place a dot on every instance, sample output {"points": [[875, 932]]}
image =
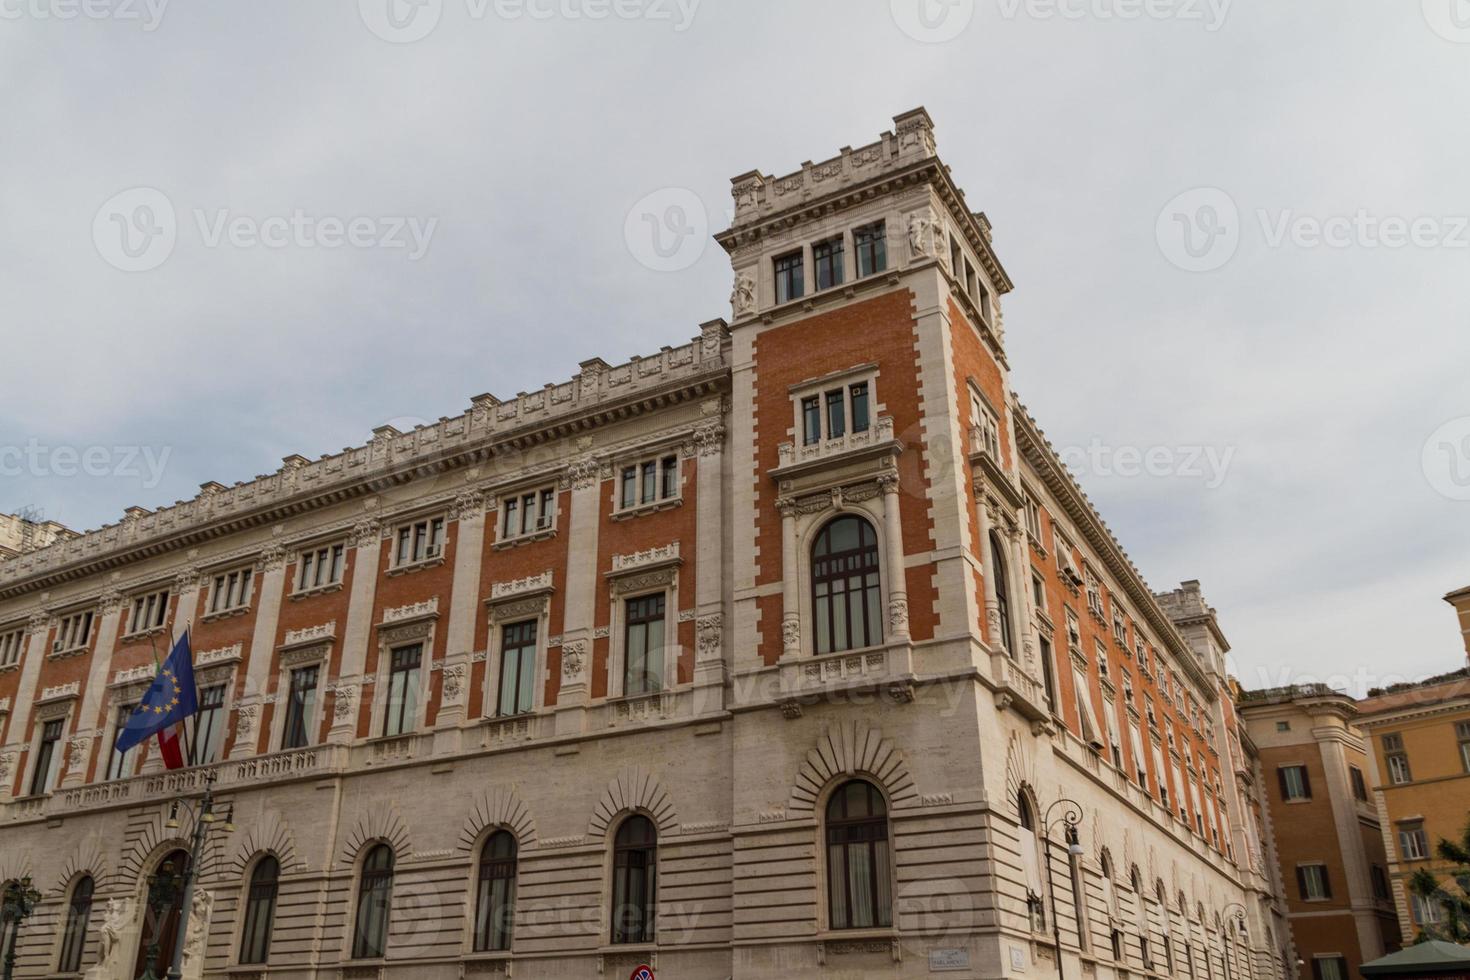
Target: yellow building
{"points": [[1418, 738]]}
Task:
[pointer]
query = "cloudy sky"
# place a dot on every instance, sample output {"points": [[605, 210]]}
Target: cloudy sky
{"points": [[1237, 232]]}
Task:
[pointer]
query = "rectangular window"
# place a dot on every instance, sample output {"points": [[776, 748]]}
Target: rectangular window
{"points": [[528, 513], [149, 611], [643, 645], [1380, 882], [836, 414], [858, 395], [400, 714], [871, 245], [1312, 882], [209, 726], [827, 259], [1413, 842], [1462, 732], [121, 765], [231, 590], [811, 420], [649, 482], [1426, 911], [1102, 658], [420, 541], [1329, 968], [517, 668], [299, 708], [789, 285], [320, 567], [1295, 785], [1360, 786], [12, 644], [74, 632], [956, 258], [1398, 768], [1048, 672], [985, 427], [46, 756], [1032, 514]]}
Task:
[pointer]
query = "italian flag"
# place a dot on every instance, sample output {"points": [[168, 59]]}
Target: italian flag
{"points": [[170, 746]]}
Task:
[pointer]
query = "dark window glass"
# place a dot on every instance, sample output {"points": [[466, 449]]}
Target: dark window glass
{"points": [[870, 245], [120, 765], [635, 880], [517, 668], [644, 645], [374, 899], [78, 914], [495, 893], [512, 524], [789, 285], [836, 415], [845, 594], [1360, 787], [859, 395], [208, 726], [650, 482], [811, 420], [45, 756], [1002, 592], [670, 468], [401, 712], [260, 911], [630, 486], [858, 884], [299, 708], [1048, 673], [827, 258]]}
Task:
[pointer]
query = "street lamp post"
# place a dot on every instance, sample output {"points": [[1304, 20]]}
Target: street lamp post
{"points": [[163, 891], [204, 816], [1070, 817], [16, 905], [1230, 917]]}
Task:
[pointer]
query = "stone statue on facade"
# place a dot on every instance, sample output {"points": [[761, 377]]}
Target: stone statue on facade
{"points": [[116, 924]]}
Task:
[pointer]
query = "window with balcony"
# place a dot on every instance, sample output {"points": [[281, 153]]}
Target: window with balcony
{"points": [[300, 708], [230, 591], [986, 426], [834, 413], [644, 627], [847, 606], [870, 244], [46, 756], [789, 277], [400, 714], [73, 632], [12, 645], [320, 567], [1002, 587], [121, 765], [517, 668], [649, 482], [827, 263], [209, 726], [529, 513], [418, 542], [149, 612]]}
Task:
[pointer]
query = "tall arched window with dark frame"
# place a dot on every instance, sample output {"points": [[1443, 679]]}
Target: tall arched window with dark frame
{"points": [[859, 884], [635, 881], [1002, 592], [495, 893], [78, 915], [374, 902], [260, 911], [846, 596]]}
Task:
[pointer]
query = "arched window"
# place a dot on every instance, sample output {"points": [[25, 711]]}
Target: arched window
{"points": [[635, 880], [374, 897], [260, 911], [859, 888], [78, 914], [1029, 845], [166, 927], [1002, 592], [495, 892], [845, 595]]}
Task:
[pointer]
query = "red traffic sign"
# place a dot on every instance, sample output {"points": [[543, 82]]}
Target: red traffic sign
{"points": [[644, 972]]}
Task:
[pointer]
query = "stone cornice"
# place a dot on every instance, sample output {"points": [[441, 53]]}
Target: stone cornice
{"points": [[598, 395], [1038, 452]]}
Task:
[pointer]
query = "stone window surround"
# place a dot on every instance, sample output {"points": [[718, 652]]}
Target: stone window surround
{"points": [[649, 452], [60, 619], [514, 605], [214, 667], [811, 233], [844, 378], [824, 907], [62, 706], [808, 526], [19, 651], [516, 491], [237, 929], [129, 602], [416, 630], [313, 543], [292, 656], [659, 576], [207, 585], [407, 519]]}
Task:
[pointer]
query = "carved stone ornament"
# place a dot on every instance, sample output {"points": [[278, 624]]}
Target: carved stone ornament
{"points": [[453, 681], [272, 558], [708, 633], [742, 297], [346, 700], [418, 630], [573, 659], [38, 622], [659, 578], [308, 654], [7, 761], [245, 721], [364, 533], [709, 438], [791, 633], [186, 579], [111, 601], [468, 505], [518, 608], [920, 226], [898, 615], [584, 472]]}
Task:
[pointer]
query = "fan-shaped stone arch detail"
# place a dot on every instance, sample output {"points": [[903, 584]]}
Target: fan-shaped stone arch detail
{"points": [[89, 857], [379, 823], [634, 788], [1019, 776], [271, 834], [14, 866], [153, 838], [850, 749], [499, 807]]}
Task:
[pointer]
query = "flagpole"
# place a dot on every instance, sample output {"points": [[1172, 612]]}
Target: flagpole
{"points": [[184, 724]]}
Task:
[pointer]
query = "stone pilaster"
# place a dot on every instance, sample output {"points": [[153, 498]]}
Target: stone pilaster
{"points": [[367, 545], [790, 594], [710, 667], [469, 550], [38, 628], [90, 721], [582, 584], [898, 593], [272, 569]]}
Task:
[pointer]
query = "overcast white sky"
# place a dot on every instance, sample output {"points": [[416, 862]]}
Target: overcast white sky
{"points": [[528, 132]]}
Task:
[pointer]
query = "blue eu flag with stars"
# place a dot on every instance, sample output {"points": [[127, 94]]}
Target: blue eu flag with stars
{"points": [[170, 699]]}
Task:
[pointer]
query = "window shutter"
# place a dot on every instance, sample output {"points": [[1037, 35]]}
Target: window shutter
{"points": [[1306, 784], [1301, 882], [1317, 970], [1281, 778], [1326, 883]]}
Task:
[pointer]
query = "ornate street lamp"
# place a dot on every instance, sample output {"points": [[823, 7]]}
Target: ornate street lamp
{"points": [[204, 817], [1070, 817], [1234, 912], [16, 905], [163, 892]]}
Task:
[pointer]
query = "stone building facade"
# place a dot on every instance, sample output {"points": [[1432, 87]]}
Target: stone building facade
{"points": [[784, 649]]}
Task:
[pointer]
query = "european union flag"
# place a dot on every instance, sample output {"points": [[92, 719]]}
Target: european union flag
{"points": [[170, 699]]}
